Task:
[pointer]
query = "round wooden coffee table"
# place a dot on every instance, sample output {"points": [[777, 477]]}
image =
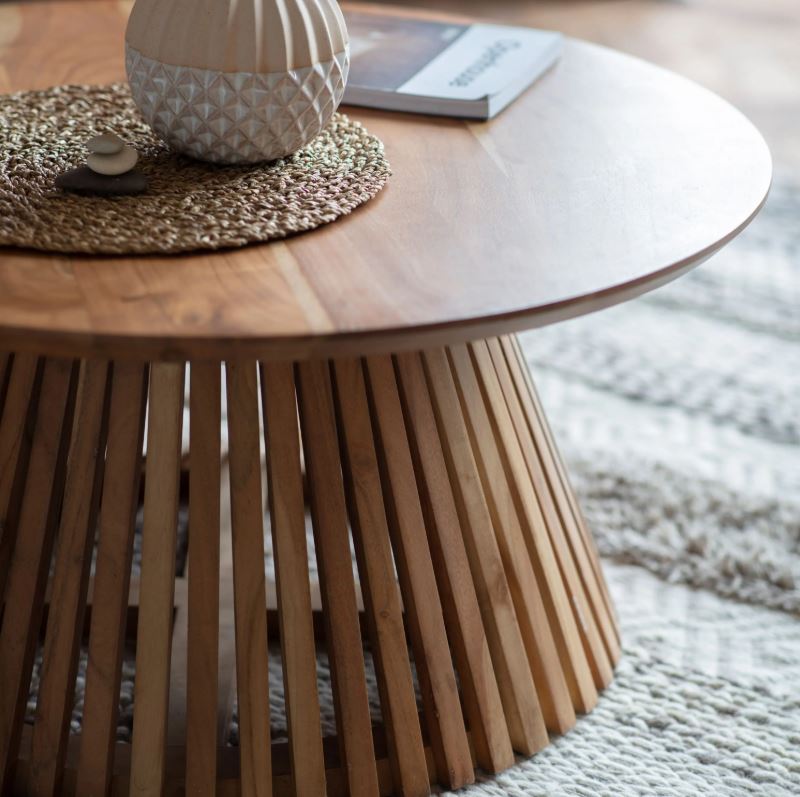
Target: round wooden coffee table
{"points": [[379, 353]]}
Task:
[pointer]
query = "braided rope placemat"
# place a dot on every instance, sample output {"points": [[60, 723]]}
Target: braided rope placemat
{"points": [[189, 205]]}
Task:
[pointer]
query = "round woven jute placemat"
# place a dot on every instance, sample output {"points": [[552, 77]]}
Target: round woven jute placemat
{"points": [[189, 205]]}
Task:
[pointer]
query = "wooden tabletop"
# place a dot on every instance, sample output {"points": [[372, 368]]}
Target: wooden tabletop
{"points": [[608, 178]]}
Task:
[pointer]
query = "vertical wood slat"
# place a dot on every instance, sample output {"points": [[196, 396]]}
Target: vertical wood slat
{"points": [[157, 583], [19, 397], [529, 396], [481, 694], [356, 750], [204, 573], [112, 577], [16, 429], [552, 641], [250, 599], [378, 581], [179, 665], [226, 692], [556, 471], [287, 518], [5, 374], [560, 471], [530, 503], [560, 521], [70, 580], [517, 689], [441, 704], [24, 600]]}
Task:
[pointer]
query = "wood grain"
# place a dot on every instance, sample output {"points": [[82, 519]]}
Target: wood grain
{"points": [[423, 608], [24, 597], [517, 689], [249, 588], [378, 580], [547, 541], [70, 580], [553, 495], [587, 217], [559, 478], [287, 519], [16, 431], [204, 573], [332, 543], [554, 652], [112, 578], [156, 596], [6, 359], [480, 692]]}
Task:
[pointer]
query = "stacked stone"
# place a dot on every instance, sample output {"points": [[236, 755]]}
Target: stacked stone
{"points": [[109, 169]]}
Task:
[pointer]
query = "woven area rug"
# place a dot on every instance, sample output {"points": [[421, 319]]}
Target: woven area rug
{"points": [[679, 416]]}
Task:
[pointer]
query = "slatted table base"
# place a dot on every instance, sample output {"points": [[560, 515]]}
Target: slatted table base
{"points": [[476, 574]]}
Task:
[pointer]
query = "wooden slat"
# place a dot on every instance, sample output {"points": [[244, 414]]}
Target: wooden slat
{"points": [[530, 498], [559, 470], [378, 581], [6, 360], [179, 665], [537, 420], [204, 571], [287, 518], [70, 580], [332, 545], [558, 478], [250, 600], [517, 689], [16, 429], [548, 625], [112, 577], [156, 596], [559, 519], [442, 707], [30, 564], [226, 692], [480, 692]]}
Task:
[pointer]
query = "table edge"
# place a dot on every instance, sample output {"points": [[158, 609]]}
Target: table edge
{"points": [[53, 343]]}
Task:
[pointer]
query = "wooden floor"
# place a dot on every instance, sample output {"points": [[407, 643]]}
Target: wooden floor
{"points": [[746, 50]]}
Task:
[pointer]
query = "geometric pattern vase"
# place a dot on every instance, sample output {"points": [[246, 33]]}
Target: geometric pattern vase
{"points": [[236, 117]]}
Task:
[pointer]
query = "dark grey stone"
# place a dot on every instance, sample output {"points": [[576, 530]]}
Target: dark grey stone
{"points": [[84, 181]]}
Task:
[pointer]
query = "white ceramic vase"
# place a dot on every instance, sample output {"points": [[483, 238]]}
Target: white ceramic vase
{"points": [[237, 81]]}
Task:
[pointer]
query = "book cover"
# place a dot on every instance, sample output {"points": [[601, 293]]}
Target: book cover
{"points": [[424, 66]]}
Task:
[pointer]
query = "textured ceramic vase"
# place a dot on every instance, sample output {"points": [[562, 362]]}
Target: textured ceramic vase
{"points": [[237, 81]]}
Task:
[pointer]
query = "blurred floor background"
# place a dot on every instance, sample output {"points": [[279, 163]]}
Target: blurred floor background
{"points": [[746, 50]]}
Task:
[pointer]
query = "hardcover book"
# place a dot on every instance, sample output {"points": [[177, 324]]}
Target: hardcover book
{"points": [[401, 63]]}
